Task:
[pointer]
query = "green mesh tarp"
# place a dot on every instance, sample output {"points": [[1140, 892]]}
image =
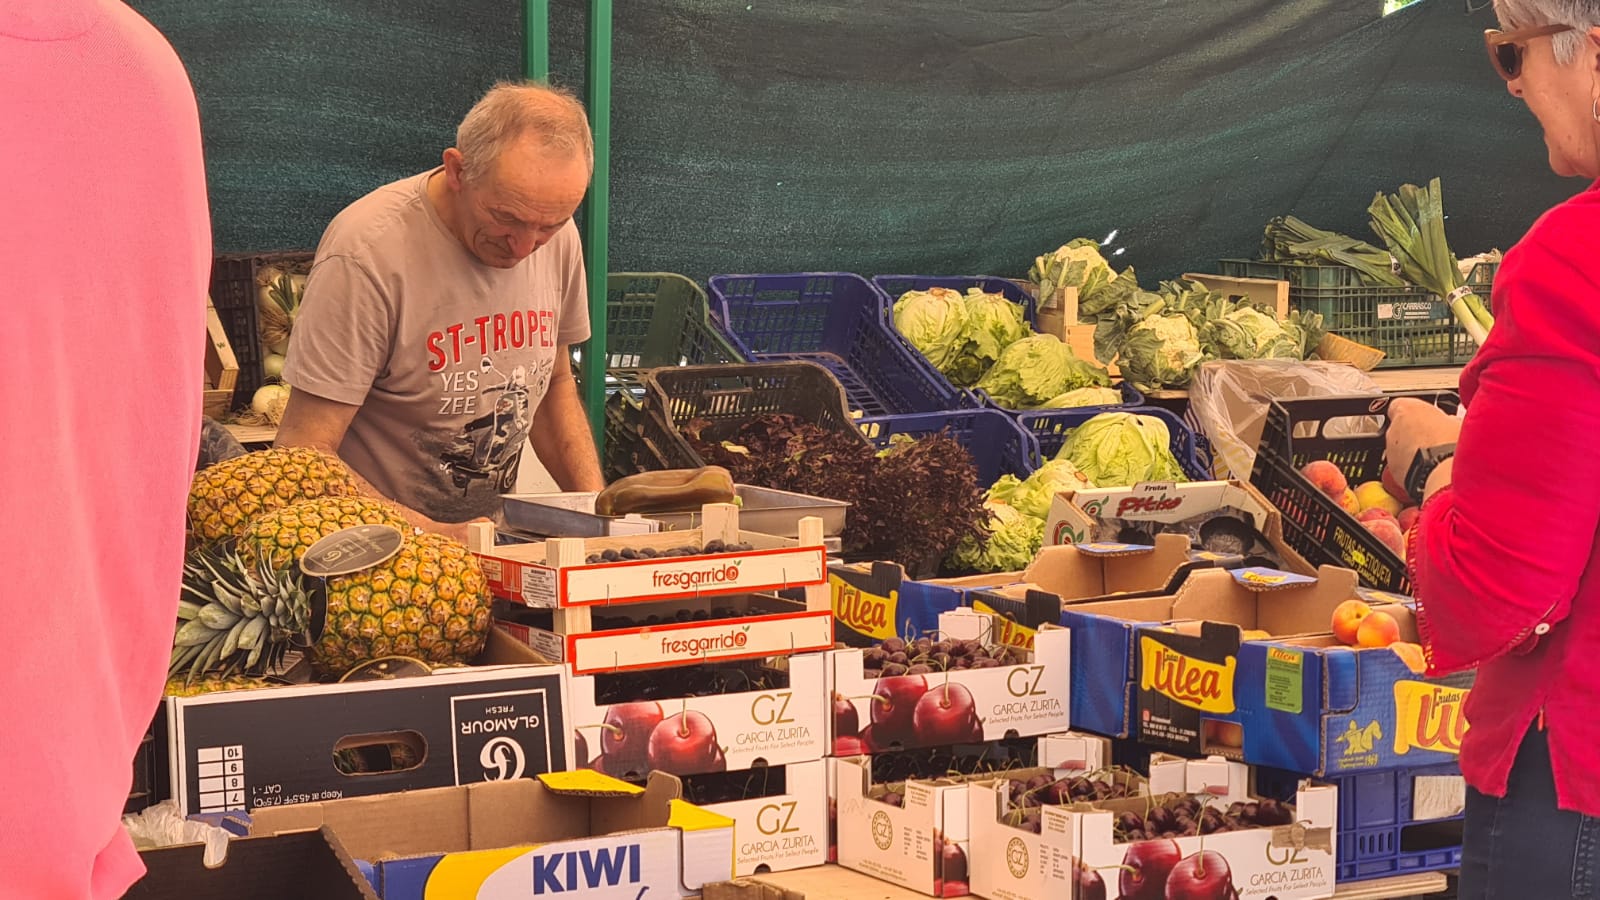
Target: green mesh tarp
{"points": [[892, 136]]}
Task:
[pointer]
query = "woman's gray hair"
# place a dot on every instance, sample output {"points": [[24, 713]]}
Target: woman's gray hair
{"points": [[1582, 15], [511, 111]]}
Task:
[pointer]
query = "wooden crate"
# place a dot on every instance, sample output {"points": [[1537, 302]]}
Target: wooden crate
{"points": [[222, 368]]}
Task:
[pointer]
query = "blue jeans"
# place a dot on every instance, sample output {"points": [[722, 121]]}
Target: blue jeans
{"points": [[1521, 846]]}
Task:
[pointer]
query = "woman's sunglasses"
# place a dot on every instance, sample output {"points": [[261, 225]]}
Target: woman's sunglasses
{"points": [[1506, 47]]}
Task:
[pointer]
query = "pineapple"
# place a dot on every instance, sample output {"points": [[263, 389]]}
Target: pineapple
{"points": [[226, 497], [429, 601], [212, 684], [284, 535], [233, 616]]}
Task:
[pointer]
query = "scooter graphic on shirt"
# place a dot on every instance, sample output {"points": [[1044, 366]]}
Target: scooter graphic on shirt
{"points": [[489, 446]]}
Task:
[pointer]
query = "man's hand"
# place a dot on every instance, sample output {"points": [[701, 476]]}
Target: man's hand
{"points": [[1414, 426]]}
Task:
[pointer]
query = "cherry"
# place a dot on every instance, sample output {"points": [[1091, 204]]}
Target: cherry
{"points": [[893, 706], [947, 714], [1146, 867], [686, 743], [1090, 885], [1200, 876], [845, 719]]}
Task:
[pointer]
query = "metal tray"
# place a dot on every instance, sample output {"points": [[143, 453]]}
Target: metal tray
{"points": [[762, 510]]}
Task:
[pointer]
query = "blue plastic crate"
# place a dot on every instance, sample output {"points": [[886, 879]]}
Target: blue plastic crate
{"points": [[997, 444], [832, 319], [1049, 430], [891, 287], [1378, 836]]}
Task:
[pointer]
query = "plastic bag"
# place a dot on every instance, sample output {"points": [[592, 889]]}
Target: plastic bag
{"points": [[163, 825], [1229, 401]]}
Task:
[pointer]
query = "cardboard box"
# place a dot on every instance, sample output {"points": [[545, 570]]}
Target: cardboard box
{"points": [[752, 626], [1107, 652], [1313, 705], [568, 832], [787, 830], [691, 735], [1292, 862], [256, 868], [1069, 573], [923, 843], [1106, 514], [556, 573], [1020, 700], [244, 750], [876, 601], [993, 834]]}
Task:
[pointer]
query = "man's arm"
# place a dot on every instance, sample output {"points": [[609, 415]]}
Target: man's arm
{"points": [[560, 433], [320, 423]]}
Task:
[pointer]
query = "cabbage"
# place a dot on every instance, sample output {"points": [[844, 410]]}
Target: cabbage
{"points": [[1161, 350], [1036, 369], [1033, 497], [1089, 396], [1122, 450], [934, 322], [1004, 489], [1246, 332], [993, 324], [1014, 540]]}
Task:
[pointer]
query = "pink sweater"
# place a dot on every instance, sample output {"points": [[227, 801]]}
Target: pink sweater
{"points": [[104, 260], [1506, 562]]}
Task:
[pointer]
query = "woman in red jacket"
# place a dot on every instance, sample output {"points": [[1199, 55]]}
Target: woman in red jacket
{"points": [[1506, 559]]}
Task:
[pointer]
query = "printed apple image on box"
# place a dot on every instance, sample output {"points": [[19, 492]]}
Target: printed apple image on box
{"points": [[687, 735], [953, 706]]}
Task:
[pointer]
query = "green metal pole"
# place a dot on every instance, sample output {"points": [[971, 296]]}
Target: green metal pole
{"points": [[597, 213], [536, 39]]}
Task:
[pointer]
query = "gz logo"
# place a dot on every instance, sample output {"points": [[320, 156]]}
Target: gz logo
{"points": [[1017, 858], [882, 830], [503, 736]]}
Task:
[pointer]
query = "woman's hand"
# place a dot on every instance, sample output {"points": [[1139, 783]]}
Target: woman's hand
{"points": [[1414, 426]]}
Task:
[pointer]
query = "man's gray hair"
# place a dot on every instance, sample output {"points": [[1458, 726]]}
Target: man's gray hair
{"points": [[512, 111], [1582, 15]]}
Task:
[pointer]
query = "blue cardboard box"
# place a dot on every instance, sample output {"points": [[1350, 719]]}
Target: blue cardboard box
{"points": [[873, 602], [1313, 705]]}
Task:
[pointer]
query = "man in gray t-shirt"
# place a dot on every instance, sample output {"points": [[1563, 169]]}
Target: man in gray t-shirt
{"points": [[433, 340]]}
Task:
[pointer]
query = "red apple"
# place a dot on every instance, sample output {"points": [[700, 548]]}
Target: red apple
{"points": [[1201, 876], [947, 714], [686, 744], [1090, 885], [845, 719], [891, 708], [849, 745], [952, 862], [624, 737], [1146, 867]]}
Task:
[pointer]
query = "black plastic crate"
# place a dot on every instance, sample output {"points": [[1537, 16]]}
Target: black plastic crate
{"points": [[1314, 524], [233, 293], [729, 396], [149, 785], [1379, 834]]}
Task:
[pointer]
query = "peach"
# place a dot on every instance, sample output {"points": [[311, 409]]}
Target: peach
{"points": [[1408, 517], [1377, 629], [1219, 735], [1371, 495], [1374, 514], [1349, 502], [1347, 618], [1411, 655], [1328, 477], [1388, 531]]}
